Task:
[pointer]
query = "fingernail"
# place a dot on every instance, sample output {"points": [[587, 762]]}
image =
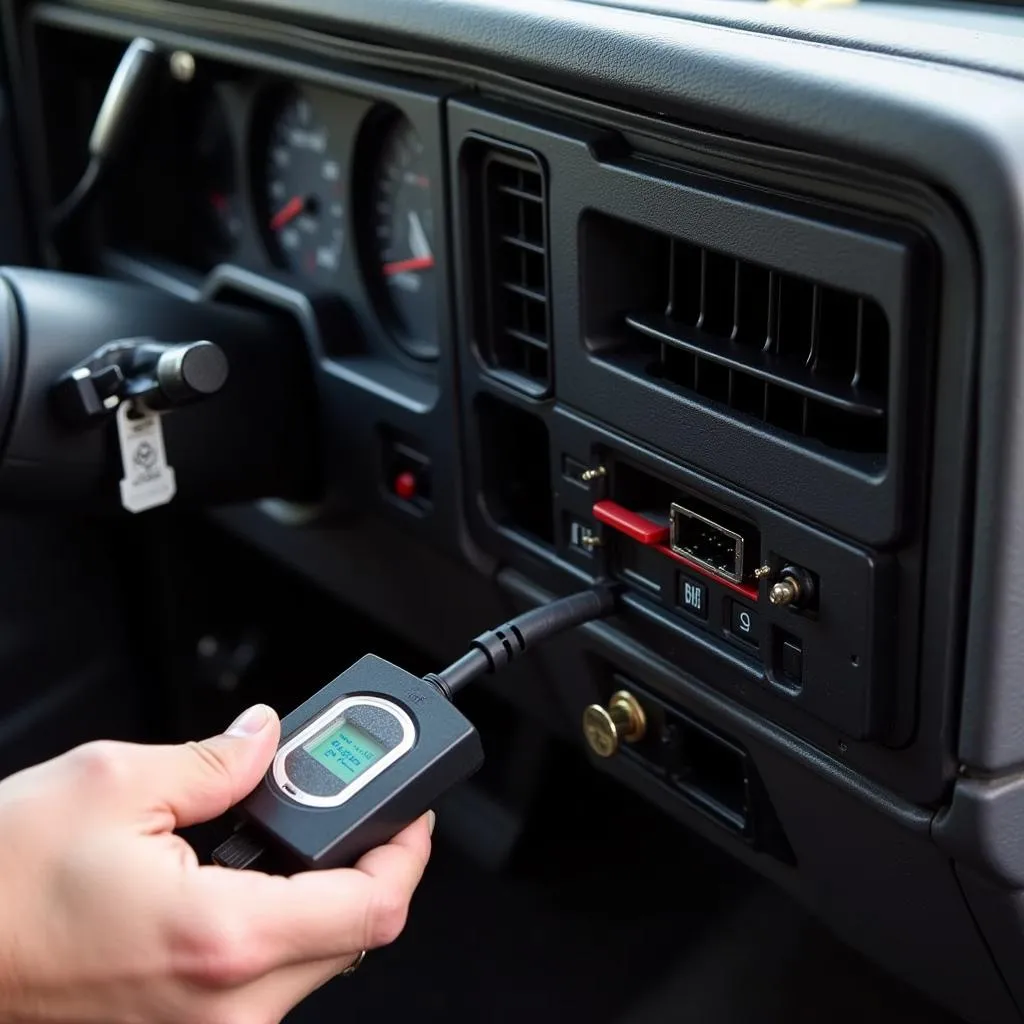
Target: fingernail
{"points": [[431, 821], [250, 722]]}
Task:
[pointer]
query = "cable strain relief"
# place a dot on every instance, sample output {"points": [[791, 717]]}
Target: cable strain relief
{"points": [[434, 680], [500, 646]]}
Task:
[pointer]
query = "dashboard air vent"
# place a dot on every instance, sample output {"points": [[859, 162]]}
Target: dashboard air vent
{"points": [[516, 339], [783, 350]]}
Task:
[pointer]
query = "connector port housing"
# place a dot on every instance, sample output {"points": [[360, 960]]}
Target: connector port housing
{"points": [[713, 540]]}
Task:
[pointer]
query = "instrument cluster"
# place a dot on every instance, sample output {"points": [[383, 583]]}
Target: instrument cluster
{"points": [[337, 191]]}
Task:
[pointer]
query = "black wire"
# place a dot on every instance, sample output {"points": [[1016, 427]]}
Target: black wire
{"points": [[493, 650], [75, 201]]}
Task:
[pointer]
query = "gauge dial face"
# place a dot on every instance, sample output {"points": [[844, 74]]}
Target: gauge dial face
{"points": [[220, 213], [403, 240], [304, 206]]}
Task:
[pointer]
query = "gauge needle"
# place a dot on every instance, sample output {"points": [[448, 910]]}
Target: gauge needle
{"points": [[418, 237], [407, 266], [287, 213], [422, 258]]}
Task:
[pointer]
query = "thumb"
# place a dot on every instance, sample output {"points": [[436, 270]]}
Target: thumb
{"points": [[200, 781]]}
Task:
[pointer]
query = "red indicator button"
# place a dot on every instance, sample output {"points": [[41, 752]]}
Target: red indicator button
{"points": [[406, 486], [634, 526]]}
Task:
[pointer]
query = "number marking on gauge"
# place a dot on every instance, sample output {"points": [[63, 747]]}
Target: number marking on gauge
{"points": [[305, 214], [402, 239]]}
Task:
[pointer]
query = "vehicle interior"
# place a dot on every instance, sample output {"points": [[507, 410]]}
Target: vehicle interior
{"points": [[446, 309]]}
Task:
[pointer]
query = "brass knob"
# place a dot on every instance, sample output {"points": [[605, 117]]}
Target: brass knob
{"points": [[623, 721]]}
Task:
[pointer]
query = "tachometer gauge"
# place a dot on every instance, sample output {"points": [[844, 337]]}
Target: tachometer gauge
{"points": [[216, 183], [304, 207], [402, 242]]}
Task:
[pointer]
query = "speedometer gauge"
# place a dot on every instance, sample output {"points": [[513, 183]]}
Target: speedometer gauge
{"points": [[402, 243], [304, 210]]}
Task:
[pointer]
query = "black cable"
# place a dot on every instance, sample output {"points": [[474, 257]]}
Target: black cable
{"points": [[75, 201], [493, 650]]}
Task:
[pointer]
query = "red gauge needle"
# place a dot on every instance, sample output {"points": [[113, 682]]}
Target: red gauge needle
{"points": [[406, 266], [287, 213]]}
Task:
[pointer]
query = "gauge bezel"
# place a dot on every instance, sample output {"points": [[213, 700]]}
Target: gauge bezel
{"points": [[375, 132]]}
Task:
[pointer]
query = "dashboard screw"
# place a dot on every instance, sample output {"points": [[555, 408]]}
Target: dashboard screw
{"points": [[762, 572], [785, 592], [183, 66], [593, 474]]}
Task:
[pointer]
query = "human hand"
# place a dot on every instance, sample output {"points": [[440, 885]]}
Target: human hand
{"points": [[106, 916]]}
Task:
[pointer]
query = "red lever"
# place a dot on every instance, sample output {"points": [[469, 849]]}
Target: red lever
{"points": [[636, 527]]}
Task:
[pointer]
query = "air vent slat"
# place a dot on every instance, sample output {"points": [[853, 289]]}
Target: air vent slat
{"points": [[527, 339], [516, 335], [518, 193], [859, 344], [798, 355], [731, 355], [526, 293], [812, 353], [522, 243]]}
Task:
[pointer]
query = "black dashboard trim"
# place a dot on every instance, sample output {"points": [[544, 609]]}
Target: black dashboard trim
{"points": [[969, 142], [923, 774]]}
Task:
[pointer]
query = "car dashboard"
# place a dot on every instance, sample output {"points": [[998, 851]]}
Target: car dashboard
{"points": [[719, 302]]}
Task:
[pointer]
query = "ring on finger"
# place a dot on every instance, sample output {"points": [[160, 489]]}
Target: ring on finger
{"points": [[354, 966]]}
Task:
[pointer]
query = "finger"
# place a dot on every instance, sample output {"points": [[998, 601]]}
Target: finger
{"points": [[318, 915], [406, 854], [197, 782]]}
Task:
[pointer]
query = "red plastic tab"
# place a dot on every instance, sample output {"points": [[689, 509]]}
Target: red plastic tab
{"points": [[634, 526]]}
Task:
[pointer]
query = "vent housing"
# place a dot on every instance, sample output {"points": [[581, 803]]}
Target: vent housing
{"points": [[785, 351], [514, 331]]}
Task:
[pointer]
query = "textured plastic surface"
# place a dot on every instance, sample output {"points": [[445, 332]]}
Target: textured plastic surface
{"points": [[984, 826], [1000, 914], [447, 750]]}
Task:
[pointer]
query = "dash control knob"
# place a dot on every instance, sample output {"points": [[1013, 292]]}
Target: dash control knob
{"points": [[191, 371], [623, 721]]}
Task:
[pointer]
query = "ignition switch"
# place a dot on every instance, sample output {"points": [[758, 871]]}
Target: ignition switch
{"points": [[164, 376]]}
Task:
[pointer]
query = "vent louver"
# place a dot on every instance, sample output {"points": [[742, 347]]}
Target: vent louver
{"points": [[516, 342], [796, 355]]}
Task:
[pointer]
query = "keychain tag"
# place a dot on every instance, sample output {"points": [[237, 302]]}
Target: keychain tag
{"points": [[148, 480]]}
